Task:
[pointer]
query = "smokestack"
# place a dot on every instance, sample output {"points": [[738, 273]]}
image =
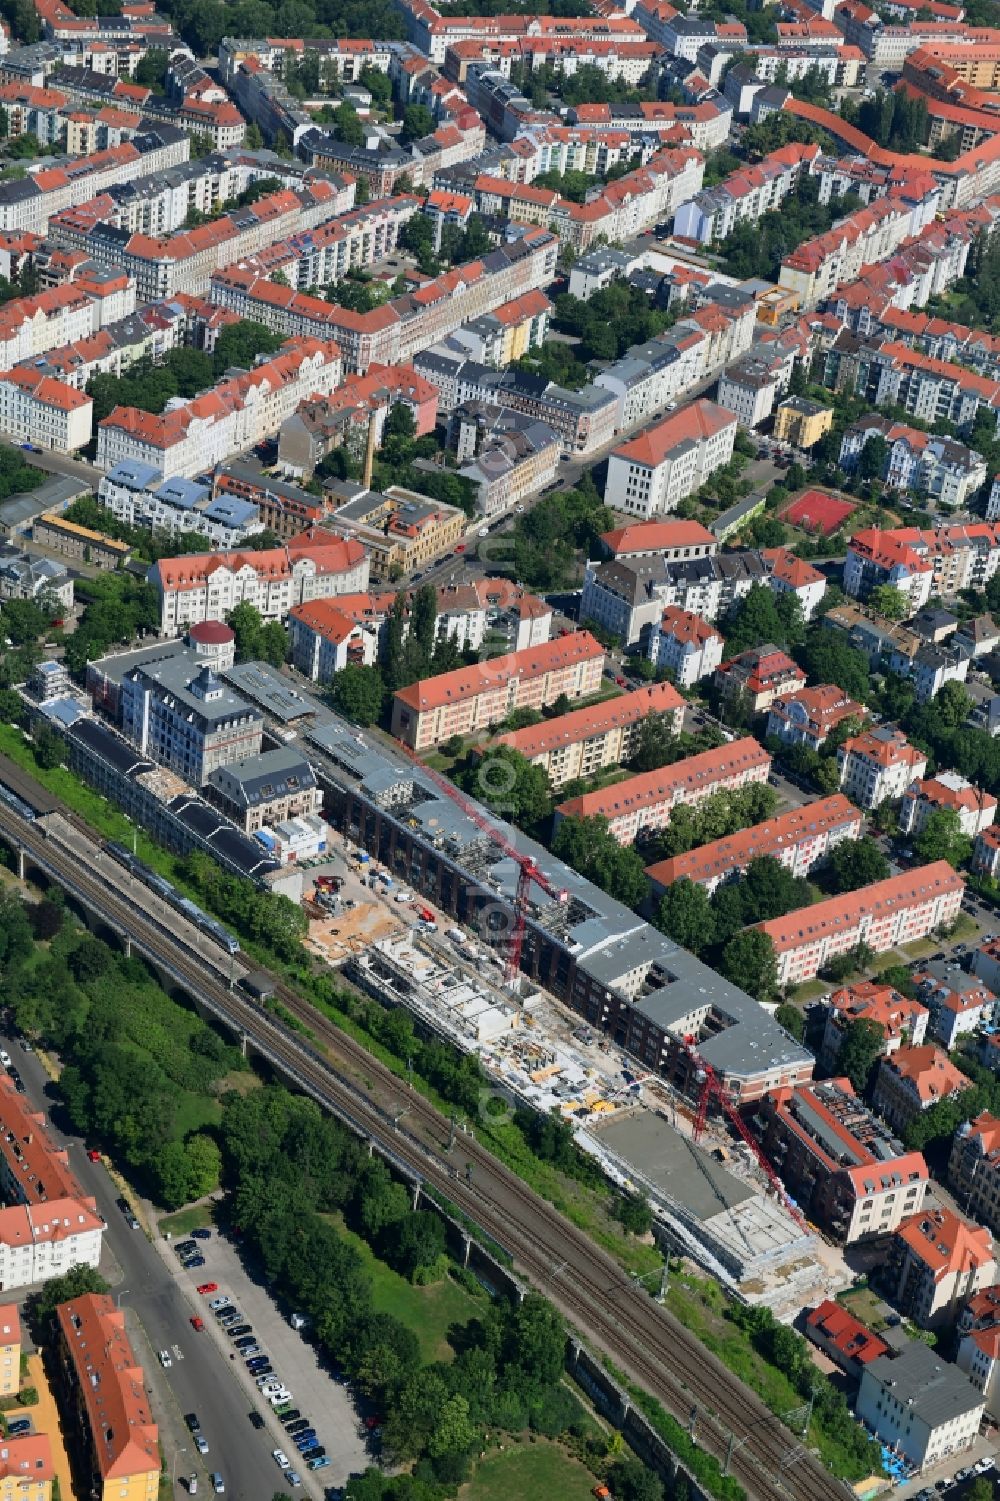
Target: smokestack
{"points": [[366, 478]]}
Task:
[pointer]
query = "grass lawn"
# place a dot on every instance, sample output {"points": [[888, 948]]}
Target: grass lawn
{"points": [[428, 1311], [810, 990], [524, 1472], [865, 1305], [198, 1217]]}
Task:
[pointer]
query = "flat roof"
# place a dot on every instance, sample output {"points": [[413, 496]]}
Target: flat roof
{"points": [[674, 1163]]}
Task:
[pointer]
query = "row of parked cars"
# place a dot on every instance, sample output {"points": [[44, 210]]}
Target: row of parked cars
{"points": [[984, 1466], [271, 1387]]}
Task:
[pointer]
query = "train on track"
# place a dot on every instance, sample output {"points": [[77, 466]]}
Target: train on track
{"points": [[169, 894], [20, 807]]}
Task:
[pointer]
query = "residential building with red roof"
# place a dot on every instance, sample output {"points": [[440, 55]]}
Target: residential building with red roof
{"points": [[453, 210], [798, 840], [761, 675], [325, 640], [473, 698], [206, 586], [940, 467], [792, 575], [875, 559], [10, 1350], [897, 910], [585, 741], [978, 1353], [323, 423], [674, 541], [915, 1078], [231, 417], [936, 1261], [843, 1338], [652, 473], [974, 1169], [975, 808], [686, 646], [35, 408], [644, 803], [107, 1386], [986, 853], [877, 765], [903, 1022], [958, 1007], [808, 715], [27, 1469], [745, 195], [843, 1166]]}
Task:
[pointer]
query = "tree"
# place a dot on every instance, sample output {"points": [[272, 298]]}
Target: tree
{"points": [[253, 139], [46, 919], [634, 1214], [859, 1051], [510, 785], [239, 344], [952, 705], [417, 123], [858, 862], [686, 915], [588, 845], [359, 693], [749, 961], [941, 838], [889, 601], [873, 460], [791, 1018], [631, 1480], [347, 125], [72, 1284]]}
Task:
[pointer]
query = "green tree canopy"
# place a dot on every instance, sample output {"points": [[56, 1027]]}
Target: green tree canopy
{"points": [[749, 961], [359, 693], [860, 1050], [857, 862]]}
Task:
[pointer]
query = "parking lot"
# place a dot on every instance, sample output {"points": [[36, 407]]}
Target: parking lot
{"points": [[319, 1397]]}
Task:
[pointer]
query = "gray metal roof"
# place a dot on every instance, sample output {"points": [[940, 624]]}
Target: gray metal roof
{"points": [[917, 1377]]}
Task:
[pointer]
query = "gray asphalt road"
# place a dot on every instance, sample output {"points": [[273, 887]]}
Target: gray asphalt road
{"points": [[201, 1381], [60, 463]]}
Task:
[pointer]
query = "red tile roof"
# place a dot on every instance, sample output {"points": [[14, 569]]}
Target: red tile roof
{"points": [[486, 677], [734, 852], [912, 888], [697, 421], [694, 775], [598, 719]]}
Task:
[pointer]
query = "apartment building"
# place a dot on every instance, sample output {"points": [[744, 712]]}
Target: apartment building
{"points": [[264, 790], [975, 808], [936, 1262], [472, 698], [915, 460], [978, 1353], [585, 741], [903, 1022], [50, 1225], [957, 1008], [652, 473], [974, 1168], [801, 422], [875, 559], [986, 853], [104, 1391], [36, 409], [395, 332], [871, 234], [808, 715], [959, 556], [400, 530], [896, 910], [912, 1080], [760, 676], [138, 495], [206, 586], [892, 374], [843, 1339], [842, 1165], [235, 415], [326, 639], [187, 719], [10, 1350], [645, 802], [685, 645], [673, 541], [342, 419], [516, 457], [27, 1470], [799, 840], [29, 203], [744, 196], [507, 334], [30, 326], [748, 387], [877, 765], [628, 597], [919, 1405]]}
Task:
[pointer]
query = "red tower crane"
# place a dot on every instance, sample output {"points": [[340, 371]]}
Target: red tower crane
{"points": [[711, 1089], [528, 870]]}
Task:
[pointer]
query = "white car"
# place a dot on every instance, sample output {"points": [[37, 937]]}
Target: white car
{"points": [[5, 1058], [281, 1459], [484, 531], [989, 1463], [404, 896], [165, 1359], [201, 1443], [276, 1398]]}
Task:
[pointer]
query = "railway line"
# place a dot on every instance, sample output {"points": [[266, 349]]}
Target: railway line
{"points": [[592, 1291]]}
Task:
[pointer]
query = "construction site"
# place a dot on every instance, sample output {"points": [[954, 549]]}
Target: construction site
{"points": [[712, 1200]]}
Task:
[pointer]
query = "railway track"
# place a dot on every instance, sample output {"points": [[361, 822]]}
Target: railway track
{"points": [[642, 1338]]}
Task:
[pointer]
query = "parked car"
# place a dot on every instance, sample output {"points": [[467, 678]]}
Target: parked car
{"points": [[202, 1234], [186, 1247], [190, 1262], [280, 1458], [295, 1425], [165, 1359], [19, 1427], [92, 1152], [193, 1421], [201, 1443], [218, 1484], [256, 1421], [197, 1323], [208, 1287]]}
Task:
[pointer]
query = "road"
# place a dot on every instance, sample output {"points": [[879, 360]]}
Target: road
{"points": [[60, 463], [589, 1287], [201, 1382]]}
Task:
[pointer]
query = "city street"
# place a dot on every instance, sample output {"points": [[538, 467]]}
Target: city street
{"points": [[199, 1379]]}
